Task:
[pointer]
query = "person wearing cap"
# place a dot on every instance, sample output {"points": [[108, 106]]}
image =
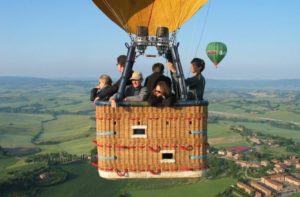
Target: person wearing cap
{"points": [[157, 76], [121, 61], [195, 84], [133, 92]]}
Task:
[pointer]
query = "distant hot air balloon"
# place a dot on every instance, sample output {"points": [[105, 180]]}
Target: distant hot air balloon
{"points": [[216, 51], [129, 14]]}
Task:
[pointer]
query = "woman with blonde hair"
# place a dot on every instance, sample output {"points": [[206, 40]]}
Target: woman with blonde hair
{"points": [[161, 95], [100, 92]]}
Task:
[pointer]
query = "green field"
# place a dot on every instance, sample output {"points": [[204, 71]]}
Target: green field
{"points": [[76, 146], [208, 188], [268, 129], [17, 129], [85, 180], [66, 128], [220, 135]]}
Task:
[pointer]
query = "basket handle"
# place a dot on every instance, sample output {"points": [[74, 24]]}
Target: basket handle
{"points": [[157, 172], [121, 173], [94, 164], [155, 149], [188, 147]]}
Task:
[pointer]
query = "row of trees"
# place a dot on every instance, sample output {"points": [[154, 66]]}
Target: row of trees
{"points": [[56, 158], [219, 167], [282, 125], [25, 181]]}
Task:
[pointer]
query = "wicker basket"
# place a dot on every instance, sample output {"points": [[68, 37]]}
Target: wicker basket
{"points": [[139, 141]]}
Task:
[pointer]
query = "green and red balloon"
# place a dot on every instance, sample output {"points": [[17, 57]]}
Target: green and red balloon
{"points": [[216, 51]]}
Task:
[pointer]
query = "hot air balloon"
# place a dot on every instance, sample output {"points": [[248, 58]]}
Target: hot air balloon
{"points": [[129, 14], [136, 140], [216, 51]]}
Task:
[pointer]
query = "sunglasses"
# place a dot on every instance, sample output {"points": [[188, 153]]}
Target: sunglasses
{"points": [[157, 91]]}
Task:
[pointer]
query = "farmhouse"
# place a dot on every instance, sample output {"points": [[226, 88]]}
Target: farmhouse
{"points": [[261, 188], [238, 149], [245, 187], [292, 180], [272, 183]]}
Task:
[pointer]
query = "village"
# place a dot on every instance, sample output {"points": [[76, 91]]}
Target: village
{"points": [[279, 180]]}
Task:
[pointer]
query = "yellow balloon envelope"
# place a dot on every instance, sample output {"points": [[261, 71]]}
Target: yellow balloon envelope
{"points": [[129, 14]]}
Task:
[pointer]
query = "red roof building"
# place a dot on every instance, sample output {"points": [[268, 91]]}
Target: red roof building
{"points": [[239, 149]]}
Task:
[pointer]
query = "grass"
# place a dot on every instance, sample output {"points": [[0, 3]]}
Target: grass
{"points": [[219, 135], [283, 115], [275, 151], [5, 162], [84, 181], [67, 127], [275, 131], [257, 108], [77, 146], [202, 188], [17, 129], [219, 130]]}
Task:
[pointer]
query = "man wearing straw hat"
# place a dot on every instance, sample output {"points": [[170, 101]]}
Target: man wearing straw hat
{"points": [[133, 92]]}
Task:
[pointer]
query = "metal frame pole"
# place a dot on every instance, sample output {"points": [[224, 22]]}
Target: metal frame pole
{"points": [[127, 70], [179, 72]]}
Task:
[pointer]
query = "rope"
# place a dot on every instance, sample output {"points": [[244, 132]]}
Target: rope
{"points": [[122, 173], [116, 15], [204, 24], [187, 148], [151, 14], [151, 148], [157, 172], [108, 118], [180, 15], [154, 150], [94, 164]]}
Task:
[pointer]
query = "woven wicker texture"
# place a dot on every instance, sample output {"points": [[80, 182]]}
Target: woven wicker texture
{"points": [[144, 138]]}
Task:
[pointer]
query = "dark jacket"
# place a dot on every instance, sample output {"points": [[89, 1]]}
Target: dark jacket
{"points": [[114, 88], [103, 94], [154, 78], [134, 94], [93, 94], [196, 87], [161, 101]]}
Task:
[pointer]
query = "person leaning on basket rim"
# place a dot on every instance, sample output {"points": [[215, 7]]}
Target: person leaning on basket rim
{"points": [[98, 93], [161, 95], [121, 61], [133, 92]]}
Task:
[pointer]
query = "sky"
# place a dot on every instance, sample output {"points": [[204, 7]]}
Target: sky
{"points": [[72, 39]]}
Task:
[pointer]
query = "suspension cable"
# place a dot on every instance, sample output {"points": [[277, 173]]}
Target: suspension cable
{"points": [[203, 28], [121, 20]]}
